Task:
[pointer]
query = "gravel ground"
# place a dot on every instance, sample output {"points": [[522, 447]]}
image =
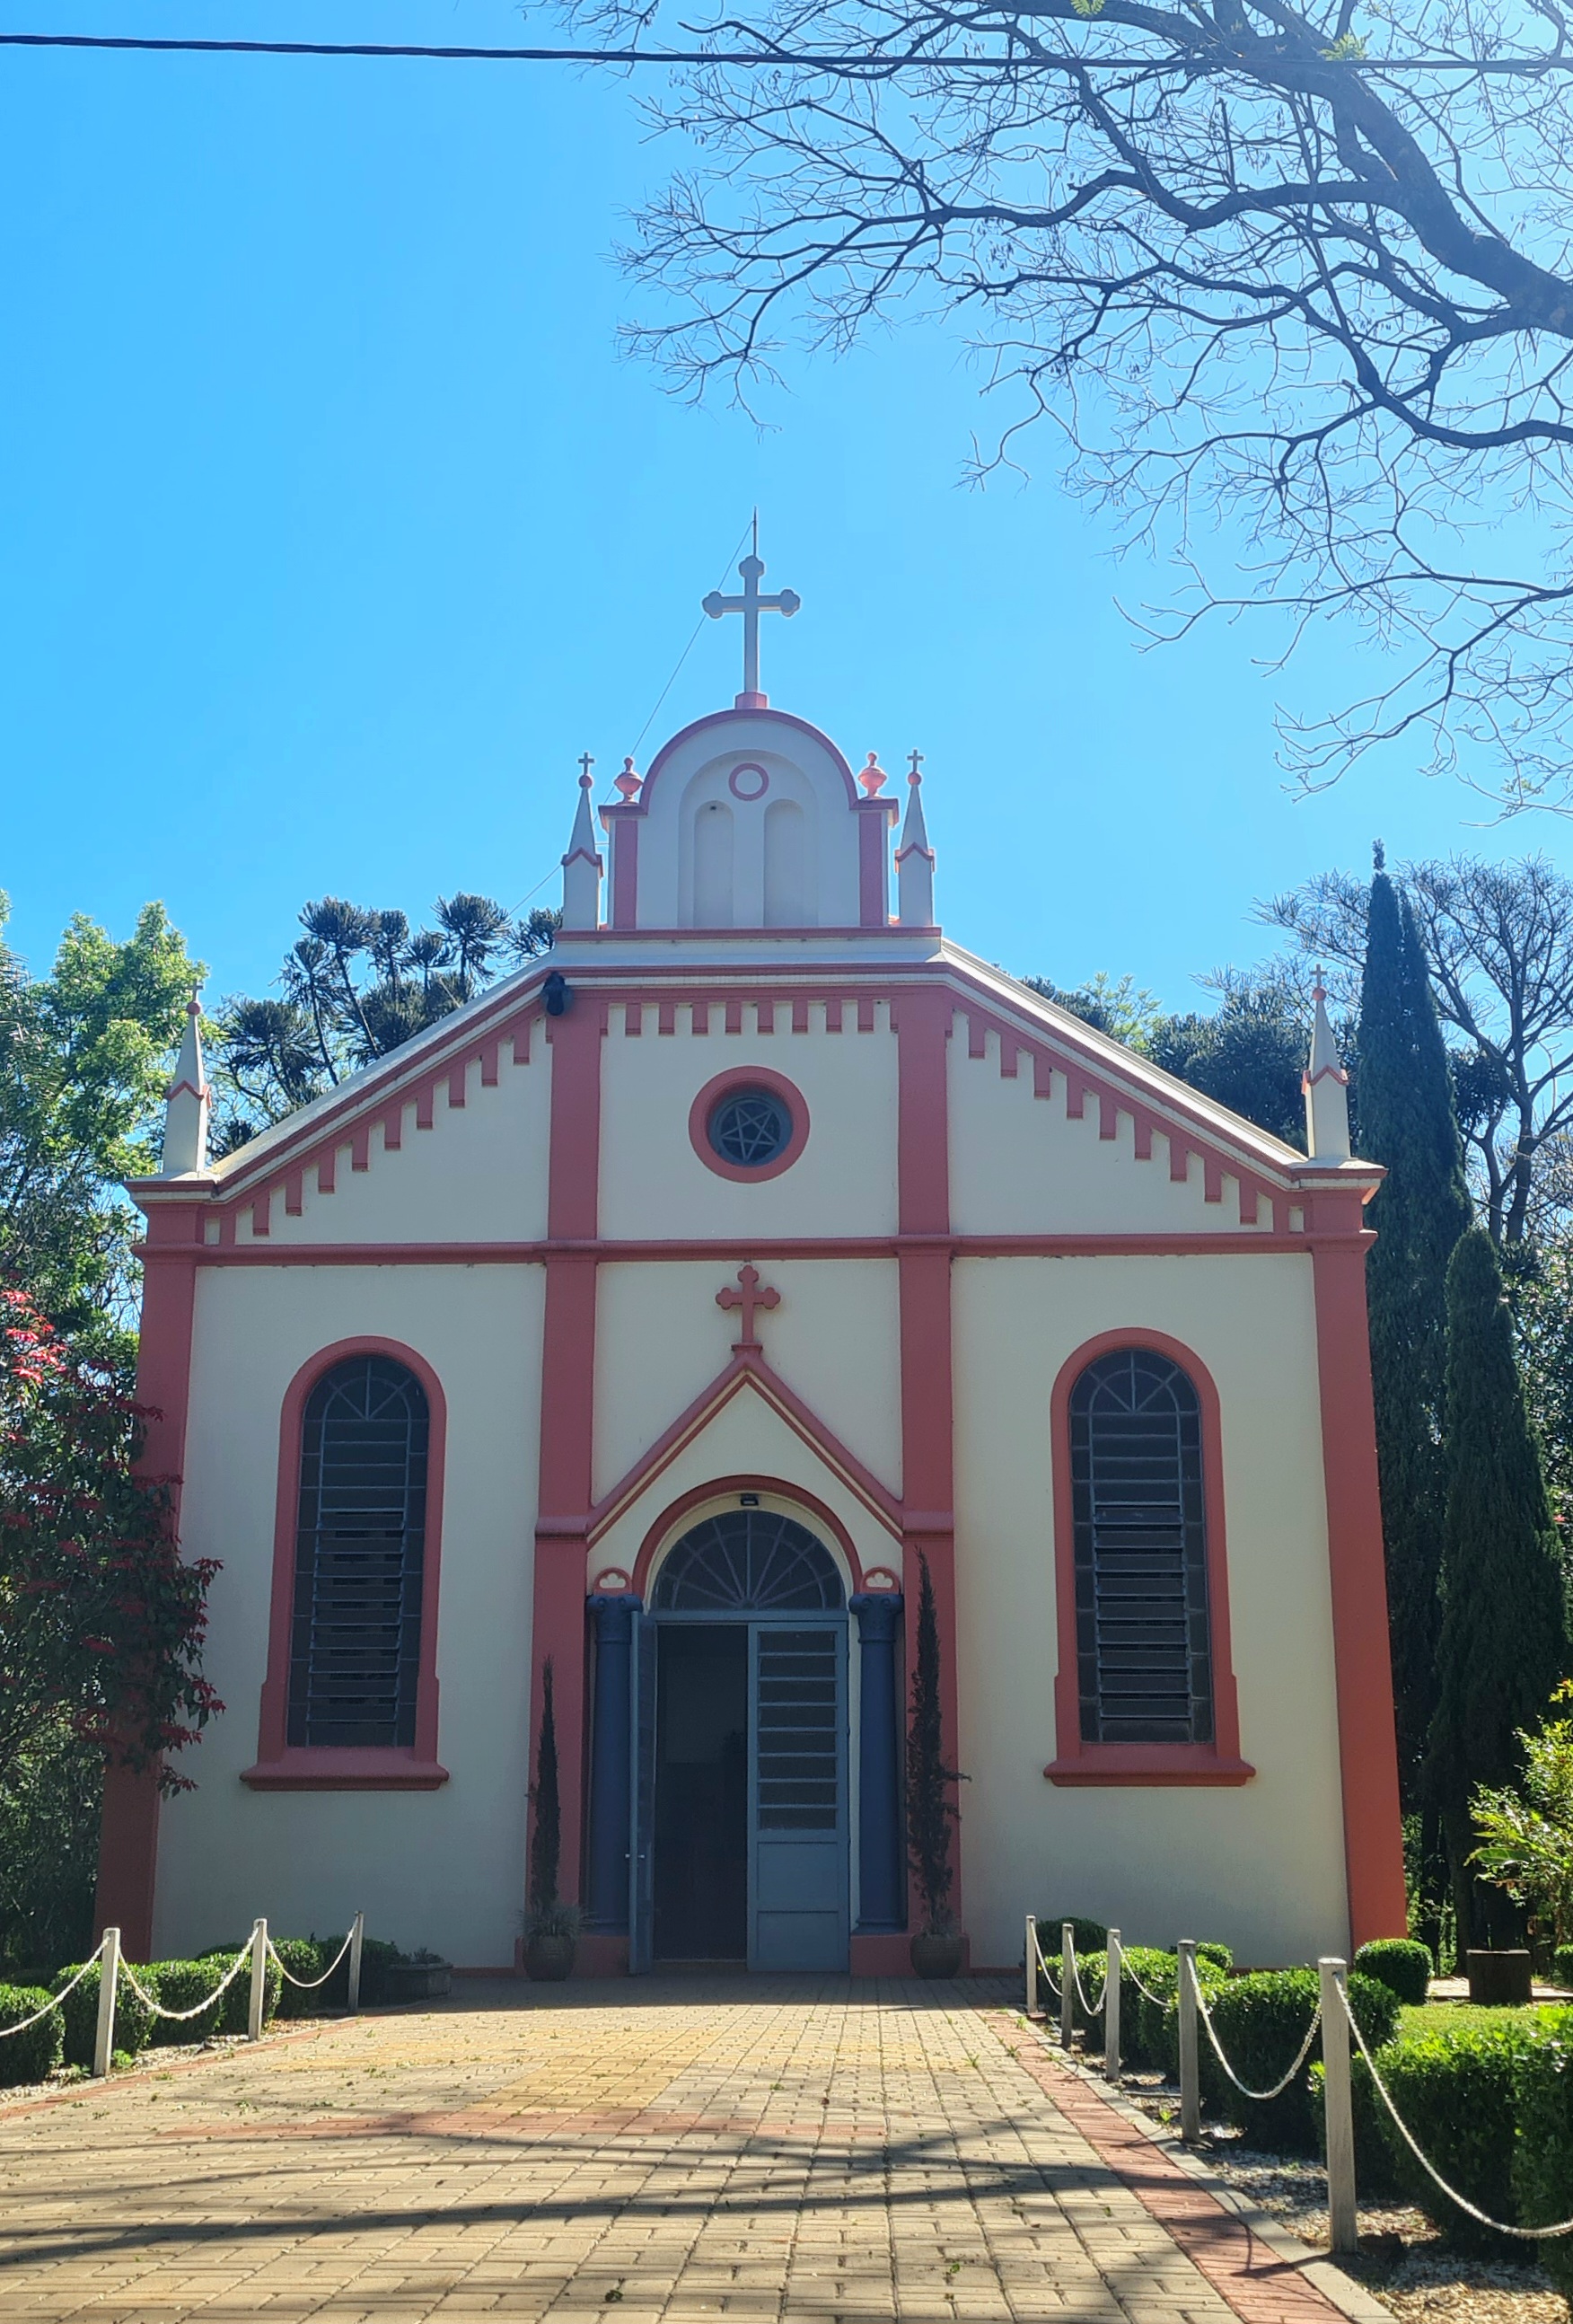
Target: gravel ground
{"points": [[1401, 2257]]}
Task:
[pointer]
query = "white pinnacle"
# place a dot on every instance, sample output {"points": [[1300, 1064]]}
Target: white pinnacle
{"points": [[582, 865], [1326, 1087], [186, 1105], [915, 859]]}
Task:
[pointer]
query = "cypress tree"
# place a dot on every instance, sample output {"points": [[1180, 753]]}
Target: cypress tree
{"points": [[1503, 1645], [1407, 1123], [546, 1841]]}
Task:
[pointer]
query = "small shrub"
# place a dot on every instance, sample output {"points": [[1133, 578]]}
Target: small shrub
{"points": [[238, 2000], [377, 1958], [1141, 2021], [1562, 1967], [1454, 2085], [304, 1958], [1543, 2154], [1219, 1955], [133, 2020], [1261, 2022], [1399, 1963], [30, 2057], [180, 1984], [1374, 2167], [1086, 1936]]}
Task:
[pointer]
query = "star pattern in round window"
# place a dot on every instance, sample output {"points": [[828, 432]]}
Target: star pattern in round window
{"points": [[751, 1127]]}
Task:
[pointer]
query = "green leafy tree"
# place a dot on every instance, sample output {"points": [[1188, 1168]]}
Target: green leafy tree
{"points": [[356, 985], [85, 1058], [1525, 1830], [1407, 1124], [1503, 1644], [1116, 1006], [1249, 1054]]}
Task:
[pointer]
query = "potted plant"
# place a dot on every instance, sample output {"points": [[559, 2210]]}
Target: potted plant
{"points": [[937, 1947], [416, 1976], [551, 1928]]}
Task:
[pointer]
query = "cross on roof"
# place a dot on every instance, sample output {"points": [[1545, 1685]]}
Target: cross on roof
{"points": [[751, 605], [748, 1299]]}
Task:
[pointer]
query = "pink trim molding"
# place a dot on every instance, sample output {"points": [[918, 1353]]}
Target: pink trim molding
{"points": [[742, 1078], [1078, 1762], [281, 1766]]}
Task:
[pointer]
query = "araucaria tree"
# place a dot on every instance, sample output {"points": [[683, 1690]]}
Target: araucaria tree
{"points": [[931, 1807], [1294, 280], [1503, 1643], [1407, 1124]]}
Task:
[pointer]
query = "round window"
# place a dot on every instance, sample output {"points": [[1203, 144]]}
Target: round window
{"points": [[751, 1127]]}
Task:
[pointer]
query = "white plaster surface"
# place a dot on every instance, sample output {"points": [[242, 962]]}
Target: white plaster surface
{"points": [[1260, 1867], [479, 1173], [443, 1868], [660, 1340], [653, 1184], [1020, 1164]]}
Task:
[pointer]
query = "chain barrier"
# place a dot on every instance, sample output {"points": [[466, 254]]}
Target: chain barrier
{"points": [[310, 1983], [1279, 2087], [55, 1999], [1498, 2226], [178, 2016]]}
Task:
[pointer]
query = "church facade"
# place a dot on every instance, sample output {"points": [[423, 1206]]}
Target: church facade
{"points": [[649, 1328]]}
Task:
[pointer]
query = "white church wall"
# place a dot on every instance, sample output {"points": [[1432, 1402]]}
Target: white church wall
{"points": [[834, 1339], [702, 846], [479, 1173], [1261, 1866], [1021, 1164], [443, 1868], [653, 1185]]}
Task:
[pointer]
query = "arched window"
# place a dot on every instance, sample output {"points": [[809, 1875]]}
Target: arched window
{"points": [[354, 1642], [1143, 1635], [748, 1560]]}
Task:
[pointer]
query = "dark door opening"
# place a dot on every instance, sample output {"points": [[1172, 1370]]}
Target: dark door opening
{"points": [[701, 1794]]}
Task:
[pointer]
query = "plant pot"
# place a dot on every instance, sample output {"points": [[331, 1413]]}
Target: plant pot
{"points": [[934, 1956], [416, 1981], [548, 1959], [1502, 1978]]}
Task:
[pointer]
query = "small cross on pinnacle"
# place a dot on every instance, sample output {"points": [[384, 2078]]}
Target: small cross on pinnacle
{"points": [[751, 605], [585, 763], [916, 759], [748, 1299]]}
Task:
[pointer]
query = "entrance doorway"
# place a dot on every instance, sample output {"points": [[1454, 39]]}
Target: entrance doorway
{"points": [[702, 1795], [740, 1740]]}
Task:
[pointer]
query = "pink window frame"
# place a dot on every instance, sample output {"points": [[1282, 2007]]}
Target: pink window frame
{"points": [[319, 1767], [1077, 1761]]}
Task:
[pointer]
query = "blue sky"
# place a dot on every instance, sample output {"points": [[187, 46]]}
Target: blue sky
{"points": [[335, 527]]}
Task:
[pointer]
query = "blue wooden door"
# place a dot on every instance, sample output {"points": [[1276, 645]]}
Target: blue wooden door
{"points": [[798, 1901], [642, 1817]]}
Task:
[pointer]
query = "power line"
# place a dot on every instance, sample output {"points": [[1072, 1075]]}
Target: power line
{"points": [[871, 64]]}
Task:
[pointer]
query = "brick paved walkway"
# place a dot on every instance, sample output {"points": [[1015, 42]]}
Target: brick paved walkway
{"points": [[757, 2149]]}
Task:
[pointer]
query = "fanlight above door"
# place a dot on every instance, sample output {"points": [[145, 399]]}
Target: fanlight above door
{"points": [[748, 1561]]}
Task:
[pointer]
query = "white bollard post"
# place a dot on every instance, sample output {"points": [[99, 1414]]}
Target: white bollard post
{"points": [[1067, 1983], [1111, 2010], [108, 1987], [357, 1934], [258, 1995], [1032, 1964], [1343, 2219], [1190, 2078]]}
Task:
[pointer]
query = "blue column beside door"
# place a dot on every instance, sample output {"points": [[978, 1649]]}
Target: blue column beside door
{"points": [[610, 1764], [881, 1858]]}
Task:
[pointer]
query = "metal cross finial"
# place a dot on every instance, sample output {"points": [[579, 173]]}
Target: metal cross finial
{"points": [[750, 1297], [585, 763], [751, 605], [916, 759]]}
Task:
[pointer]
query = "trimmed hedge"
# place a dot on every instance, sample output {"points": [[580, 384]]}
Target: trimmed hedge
{"points": [[238, 2000], [1088, 1936], [133, 2020], [1454, 2086], [1543, 2154], [1261, 2021], [180, 1984], [1398, 1962], [1219, 1955], [32, 2056], [303, 1957]]}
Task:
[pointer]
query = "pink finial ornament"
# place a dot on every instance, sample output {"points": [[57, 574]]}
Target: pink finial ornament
{"points": [[1317, 989], [627, 783], [872, 777]]}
